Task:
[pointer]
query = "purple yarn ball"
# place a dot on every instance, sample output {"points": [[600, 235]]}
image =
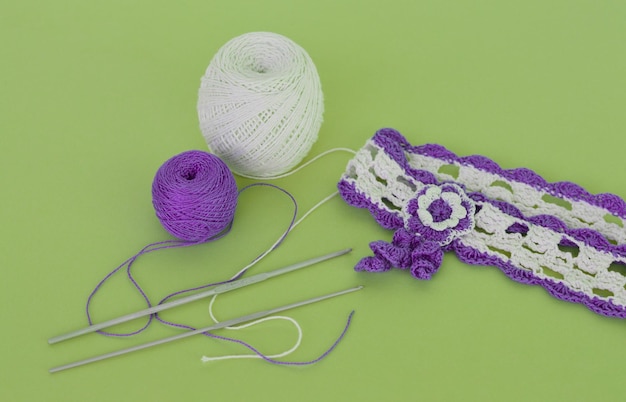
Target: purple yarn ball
{"points": [[194, 195]]}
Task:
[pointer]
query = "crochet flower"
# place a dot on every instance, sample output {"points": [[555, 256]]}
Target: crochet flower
{"points": [[436, 216], [440, 214]]}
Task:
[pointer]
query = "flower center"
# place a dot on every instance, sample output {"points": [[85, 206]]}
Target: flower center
{"points": [[440, 210]]}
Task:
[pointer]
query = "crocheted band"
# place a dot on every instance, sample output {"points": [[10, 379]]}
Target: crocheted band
{"points": [[556, 235]]}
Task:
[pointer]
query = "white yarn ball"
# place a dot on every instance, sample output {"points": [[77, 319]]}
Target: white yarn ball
{"points": [[260, 104]]}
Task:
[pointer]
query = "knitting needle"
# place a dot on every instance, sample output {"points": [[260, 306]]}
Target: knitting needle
{"points": [[214, 291], [224, 324]]}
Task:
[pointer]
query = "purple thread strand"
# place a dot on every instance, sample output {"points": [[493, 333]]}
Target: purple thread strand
{"points": [[194, 195], [175, 244], [254, 261], [128, 263]]}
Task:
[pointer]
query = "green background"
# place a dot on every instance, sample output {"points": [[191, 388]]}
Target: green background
{"points": [[95, 96]]}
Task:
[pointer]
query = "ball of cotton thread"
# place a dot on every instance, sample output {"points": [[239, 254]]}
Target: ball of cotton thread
{"points": [[194, 195], [260, 104]]}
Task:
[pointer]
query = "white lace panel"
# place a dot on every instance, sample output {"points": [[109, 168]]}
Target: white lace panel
{"points": [[529, 200], [387, 185], [582, 268]]}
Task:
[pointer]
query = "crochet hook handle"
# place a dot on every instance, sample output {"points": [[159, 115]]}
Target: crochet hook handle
{"points": [[216, 290], [224, 324]]}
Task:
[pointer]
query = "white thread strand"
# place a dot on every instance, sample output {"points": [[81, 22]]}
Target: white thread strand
{"points": [[294, 322], [260, 104], [206, 359], [260, 257], [319, 204], [283, 175], [281, 237]]}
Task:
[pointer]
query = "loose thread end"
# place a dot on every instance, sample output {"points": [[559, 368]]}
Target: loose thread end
{"points": [[269, 359]]}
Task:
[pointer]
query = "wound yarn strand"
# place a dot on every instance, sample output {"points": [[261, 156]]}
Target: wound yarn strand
{"points": [[260, 104], [194, 195]]}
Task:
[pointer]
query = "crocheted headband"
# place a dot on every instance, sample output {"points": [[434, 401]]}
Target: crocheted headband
{"points": [[556, 235]]}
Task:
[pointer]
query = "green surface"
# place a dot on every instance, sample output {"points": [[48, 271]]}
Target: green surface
{"points": [[95, 96]]}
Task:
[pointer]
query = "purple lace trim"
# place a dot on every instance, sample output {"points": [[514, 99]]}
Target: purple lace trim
{"points": [[474, 257], [401, 252], [395, 144]]}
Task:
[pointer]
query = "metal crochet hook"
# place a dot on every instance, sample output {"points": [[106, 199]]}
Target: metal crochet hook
{"points": [[214, 291], [224, 324]]}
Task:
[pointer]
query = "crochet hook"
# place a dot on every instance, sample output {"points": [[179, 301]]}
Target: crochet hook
{"points": [[223, 324], [226, 287]]}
